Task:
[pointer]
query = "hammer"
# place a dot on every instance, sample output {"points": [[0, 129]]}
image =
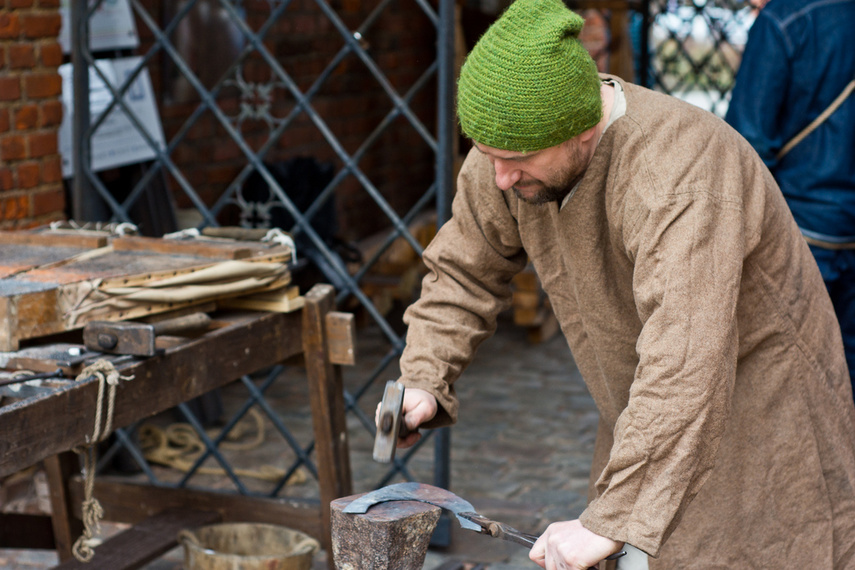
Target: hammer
{"points": [[391, 422], [137, 339]]}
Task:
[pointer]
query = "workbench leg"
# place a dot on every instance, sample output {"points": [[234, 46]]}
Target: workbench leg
{"points": [[66, 527], [328, 410]]}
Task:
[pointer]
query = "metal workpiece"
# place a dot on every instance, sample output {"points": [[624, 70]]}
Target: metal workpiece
{"points": [[416, 492]]}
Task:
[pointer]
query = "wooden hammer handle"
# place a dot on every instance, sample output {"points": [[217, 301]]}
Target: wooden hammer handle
{"points": [[194, 321]]}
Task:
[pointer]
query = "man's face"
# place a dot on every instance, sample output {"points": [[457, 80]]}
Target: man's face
{"points": [[757, 5], [538, 177]]}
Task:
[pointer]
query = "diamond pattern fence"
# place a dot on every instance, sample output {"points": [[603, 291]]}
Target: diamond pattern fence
{"points": [[694, 48], [278, 98]]}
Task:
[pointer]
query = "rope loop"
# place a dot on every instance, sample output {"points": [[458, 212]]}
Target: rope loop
{"points": [[84, 546], [108, 377]]}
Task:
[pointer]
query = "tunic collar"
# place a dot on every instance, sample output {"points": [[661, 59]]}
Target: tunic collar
{"points": [[618, 111]]}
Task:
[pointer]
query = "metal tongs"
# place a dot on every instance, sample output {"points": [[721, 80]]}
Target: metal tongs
{"points": [[501, 530]]}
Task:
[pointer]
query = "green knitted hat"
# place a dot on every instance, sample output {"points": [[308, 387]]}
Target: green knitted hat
{"points": [[528, 83]]}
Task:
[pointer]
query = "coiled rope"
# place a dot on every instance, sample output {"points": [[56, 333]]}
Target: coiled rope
{"points": [[179, 446]]}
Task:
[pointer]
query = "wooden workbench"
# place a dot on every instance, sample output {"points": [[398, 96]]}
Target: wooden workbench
{"points": [[46, 426]]}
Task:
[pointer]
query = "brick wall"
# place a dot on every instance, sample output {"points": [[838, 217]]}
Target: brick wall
{"points": [[31, 191]]}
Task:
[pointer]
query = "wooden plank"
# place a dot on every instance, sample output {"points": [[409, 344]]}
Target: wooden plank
{"points": [[284, 306], [399, 255], [527, 299], [132, 502], [43, 287], [144, 542], [326, 394], [38, 427], [38, 314], [28, 315], [526, 280], [236, 232], [341, 333], [226, 249], [32, 309], [208, 307], [26, 531], [79, 239], [545, 327], [215, 248], [17, 259], [282, 300], [9, 318], [525, 317]]}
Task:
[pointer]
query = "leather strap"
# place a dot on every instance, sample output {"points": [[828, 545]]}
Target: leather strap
{"points": [[818, 121], [829, 244]]}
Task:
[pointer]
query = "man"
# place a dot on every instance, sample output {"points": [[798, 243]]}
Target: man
{"points": [[690, 302], [799, 58]]}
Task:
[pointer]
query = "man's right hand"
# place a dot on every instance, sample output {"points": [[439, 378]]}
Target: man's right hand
{"points": [[570, 545], [419, 406]]}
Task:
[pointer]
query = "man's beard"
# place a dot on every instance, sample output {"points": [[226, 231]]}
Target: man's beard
{"points": [[545, 195], [559, 183]]}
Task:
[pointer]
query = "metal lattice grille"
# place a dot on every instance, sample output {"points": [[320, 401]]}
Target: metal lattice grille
{"points": [[279, 90], [209, 457], [696, 47]]}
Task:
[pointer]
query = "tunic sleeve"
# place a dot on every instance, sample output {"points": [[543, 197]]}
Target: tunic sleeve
{"points": [[471, 262], [688, 249]]}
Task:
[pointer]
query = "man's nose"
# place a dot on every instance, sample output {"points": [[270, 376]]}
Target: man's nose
{"points": [[506, 174]]}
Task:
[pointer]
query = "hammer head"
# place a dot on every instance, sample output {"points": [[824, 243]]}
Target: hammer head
{"points": [[137, 339], [416, 492], [390, 422], [120, 337]]}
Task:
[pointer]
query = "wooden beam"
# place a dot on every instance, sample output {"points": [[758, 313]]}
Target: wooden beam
{"points": [[326, 393], [144, 542], [133, 502], [74, 239], [37, 428], [341, 333], [219, 249], [26, 531], [66, 528]]}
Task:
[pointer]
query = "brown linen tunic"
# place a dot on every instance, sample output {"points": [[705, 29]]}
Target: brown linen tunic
{"points": [[700, 323]]}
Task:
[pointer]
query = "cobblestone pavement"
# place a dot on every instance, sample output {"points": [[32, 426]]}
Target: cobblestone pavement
{"points": [[520, 452]]}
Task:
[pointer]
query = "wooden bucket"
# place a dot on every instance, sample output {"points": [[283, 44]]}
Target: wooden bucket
{"points": [[247, 546]]}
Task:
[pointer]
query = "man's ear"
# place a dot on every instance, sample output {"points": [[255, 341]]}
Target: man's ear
{"points": [[588, 135]]}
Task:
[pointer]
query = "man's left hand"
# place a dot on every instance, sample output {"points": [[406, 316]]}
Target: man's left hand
{"points": [[569, 545]]}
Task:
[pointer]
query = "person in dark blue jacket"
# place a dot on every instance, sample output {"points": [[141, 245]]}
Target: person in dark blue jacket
{"points": [[799, 58]]}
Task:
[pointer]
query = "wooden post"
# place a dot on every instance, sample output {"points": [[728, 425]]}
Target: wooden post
{"points": [[66, 527], [390, 536], [327, 399]]}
